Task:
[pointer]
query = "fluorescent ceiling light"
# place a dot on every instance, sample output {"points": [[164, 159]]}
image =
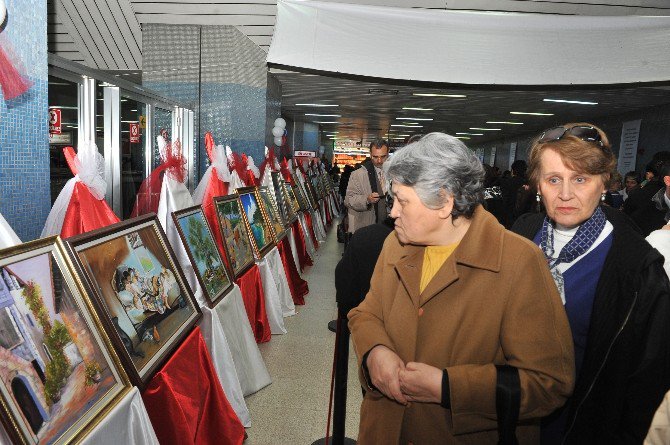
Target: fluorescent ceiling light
{"points": [[485, 129], [461, 137], [413, 118], [63, 107], [472, 134], [563, 101], [417, 109], [505, 123], [323, 115], [333, 122], [403, 125], [403, 135], [438, 95], [531, 114], [316, 105]]}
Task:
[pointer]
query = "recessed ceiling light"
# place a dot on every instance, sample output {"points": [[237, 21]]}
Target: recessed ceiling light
{"points": [[504, 123], [417, 109], [316, 105], [438, 95], [563, 101], [323, 115], [531, 114], [413, 118], [472, 134], [485, 129]]}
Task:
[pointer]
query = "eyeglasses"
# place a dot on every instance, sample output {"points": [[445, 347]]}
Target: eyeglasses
{"points": [[583, 132]]}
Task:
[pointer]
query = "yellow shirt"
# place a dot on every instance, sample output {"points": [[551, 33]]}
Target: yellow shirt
{"points": [[433, 258]]}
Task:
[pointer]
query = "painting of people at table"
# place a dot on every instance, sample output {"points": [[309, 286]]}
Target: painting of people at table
{"points": [[260, 230], [141, 290], [55, 368], [234, 232]]}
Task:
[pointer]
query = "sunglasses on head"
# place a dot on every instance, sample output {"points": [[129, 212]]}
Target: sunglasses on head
{"points": [[584, 132]]}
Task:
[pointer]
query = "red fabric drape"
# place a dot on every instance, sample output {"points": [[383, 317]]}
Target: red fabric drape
{"points": [[299, 287], [186, 403], [286, 173], [215, 188], [253, 296], [326, 206], [310, 227], [304, 259], [85, 213], [12, 81]]}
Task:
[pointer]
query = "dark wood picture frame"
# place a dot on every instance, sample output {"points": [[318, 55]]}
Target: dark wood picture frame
{"points": [[133, 308], [263, 223], [75, 351], [228, 234], [282, 199], [207, 243]]}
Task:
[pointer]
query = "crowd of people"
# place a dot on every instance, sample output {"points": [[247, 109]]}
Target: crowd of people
{"points": [[524, 306]]}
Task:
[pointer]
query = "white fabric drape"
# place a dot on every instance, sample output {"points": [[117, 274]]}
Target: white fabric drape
{"points": [[279, 275], [211, 327], [273, 306], [251, 371], [294, 250], [220, 163], [308, 237], [8, 237], [128, 423], [470, 47]]}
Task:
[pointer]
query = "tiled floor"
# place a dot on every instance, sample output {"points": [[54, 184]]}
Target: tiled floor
{"points": [[294, 408]]}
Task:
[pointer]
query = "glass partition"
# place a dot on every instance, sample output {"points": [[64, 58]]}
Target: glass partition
{"points": [[63, 129], [162, 120], [133, 153]]}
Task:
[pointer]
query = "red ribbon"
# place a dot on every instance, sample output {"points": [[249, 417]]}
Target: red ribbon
{"points": [[254, 302]]}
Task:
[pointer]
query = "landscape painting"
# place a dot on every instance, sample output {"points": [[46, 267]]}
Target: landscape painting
{"points": [[58, 371], [234, 231], [209, 267], [261, 233], [140, 291]]}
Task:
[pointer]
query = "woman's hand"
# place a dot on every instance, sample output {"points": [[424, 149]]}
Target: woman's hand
{"points": [[420, 382], [384, 367]]}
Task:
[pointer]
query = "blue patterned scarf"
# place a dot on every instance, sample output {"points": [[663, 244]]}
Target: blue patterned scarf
{"points": [[586, 236]]}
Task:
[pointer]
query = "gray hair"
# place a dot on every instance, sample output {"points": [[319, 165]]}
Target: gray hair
{"points": [[436, 164]]}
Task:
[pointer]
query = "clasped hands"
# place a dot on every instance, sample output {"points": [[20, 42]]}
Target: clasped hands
{"points": [[373, 197], [411, 382]]}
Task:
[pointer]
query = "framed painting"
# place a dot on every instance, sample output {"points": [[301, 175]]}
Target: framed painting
{"points": [[282, 199], [291, 198], [310, 192], [300, 197], [210, 269], [59, 373], [257, 222], [272, 211], [139, 291], [236, 238]]}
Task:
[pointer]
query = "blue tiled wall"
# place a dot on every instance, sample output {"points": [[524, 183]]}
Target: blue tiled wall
{"points": [[220, 74], [24, 144]]}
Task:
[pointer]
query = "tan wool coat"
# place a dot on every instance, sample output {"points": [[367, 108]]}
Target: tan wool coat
{"points": [[492, 302], [360, 213]]}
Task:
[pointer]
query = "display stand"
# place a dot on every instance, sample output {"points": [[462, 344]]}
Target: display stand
{"points": [[128, 423], [319, 228], [251, 371], [299, 287], [290, 236], [281, 281], [300, 244], [186, 403], [251, 287], [212, 331], [273, 301]]}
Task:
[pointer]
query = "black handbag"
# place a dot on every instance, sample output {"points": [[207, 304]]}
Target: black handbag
{"points": [[508, 400]]}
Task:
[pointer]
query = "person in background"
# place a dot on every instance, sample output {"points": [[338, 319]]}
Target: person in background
{"points": [[614, 197], [615, 291], [631, 182], [654, 213], [430, 335], [366, 190], [649, 174], [510, 188], [344, 180]]}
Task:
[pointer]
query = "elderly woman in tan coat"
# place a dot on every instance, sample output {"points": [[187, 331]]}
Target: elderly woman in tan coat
{"points": [[455, 296]]}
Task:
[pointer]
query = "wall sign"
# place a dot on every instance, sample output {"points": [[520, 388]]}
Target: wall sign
{"points": [[512, 154], [630, 133], [134, 132], [55, 121], [305, 154]]}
